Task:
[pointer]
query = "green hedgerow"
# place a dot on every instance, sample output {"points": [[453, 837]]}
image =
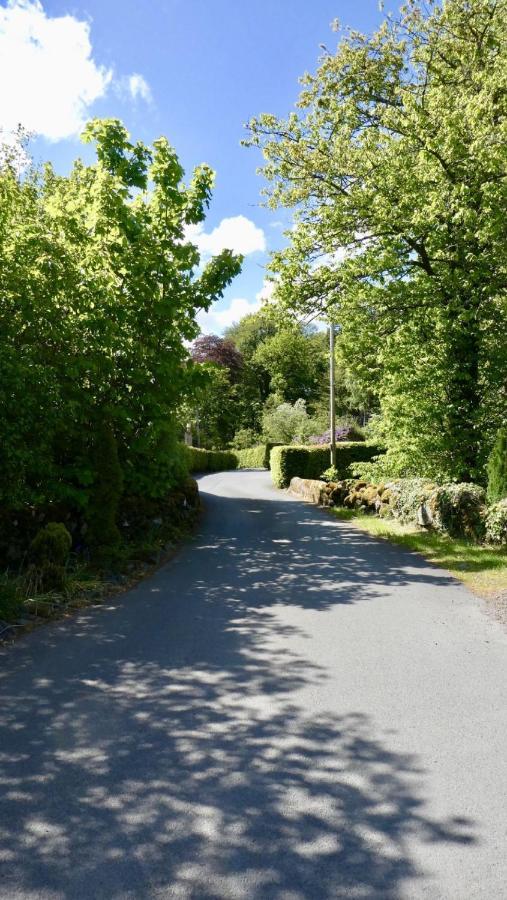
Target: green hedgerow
{"points": [[294, 460]]}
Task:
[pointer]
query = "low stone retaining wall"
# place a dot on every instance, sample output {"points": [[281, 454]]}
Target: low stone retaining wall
{"points": [[308, 489]]}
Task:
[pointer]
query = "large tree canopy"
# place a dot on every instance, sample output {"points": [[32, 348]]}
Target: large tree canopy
{"points": [[395, 164]]}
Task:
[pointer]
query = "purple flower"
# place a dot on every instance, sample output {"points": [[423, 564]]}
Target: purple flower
{"points": [[342, 433]]}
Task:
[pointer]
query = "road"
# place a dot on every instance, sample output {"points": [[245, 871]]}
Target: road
{"points": [[289, 709]]}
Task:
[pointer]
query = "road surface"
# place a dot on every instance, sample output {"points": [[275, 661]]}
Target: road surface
{"points": [[290, 709]]}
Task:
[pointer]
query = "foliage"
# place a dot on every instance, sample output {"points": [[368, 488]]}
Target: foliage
{"points": [[215, 404], [51, 544], [342, 433], [99, 294], [252, 331], [209, 348], [104, 535], [11, 599], [244, 438], [200, 460], [496, 523], [497, 468], [295, 363], [285, 422], [310, 462], [394, 162], [459, 510], [254, 457], [454, 509]]}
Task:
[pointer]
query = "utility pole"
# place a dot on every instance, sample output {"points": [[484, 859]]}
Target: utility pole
{"points": [[332, 416]]}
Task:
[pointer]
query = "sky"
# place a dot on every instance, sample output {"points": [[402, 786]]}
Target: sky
{"points": [[193, 70]]}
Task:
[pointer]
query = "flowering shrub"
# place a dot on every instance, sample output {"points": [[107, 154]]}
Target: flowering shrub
{"points": [[342, 433]]}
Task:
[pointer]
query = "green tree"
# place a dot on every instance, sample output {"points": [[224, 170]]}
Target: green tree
{"points": [[395, 165], [99, 294]]}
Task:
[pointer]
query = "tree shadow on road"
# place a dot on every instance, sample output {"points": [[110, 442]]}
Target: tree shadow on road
{"points": [[157, 749]]}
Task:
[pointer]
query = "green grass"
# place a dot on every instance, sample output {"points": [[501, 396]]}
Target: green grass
{"points": [[482, 568]]}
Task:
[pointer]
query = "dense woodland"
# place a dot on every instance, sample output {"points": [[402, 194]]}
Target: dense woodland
{"points": [[394, 167]]}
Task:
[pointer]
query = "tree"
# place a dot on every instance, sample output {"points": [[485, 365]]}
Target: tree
{"points": [[395, 165], [214, 349], [295, 363], [99, 290]]}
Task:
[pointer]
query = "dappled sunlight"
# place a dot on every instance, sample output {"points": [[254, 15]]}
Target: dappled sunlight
{"points": [[182, 773], [160, 747]]}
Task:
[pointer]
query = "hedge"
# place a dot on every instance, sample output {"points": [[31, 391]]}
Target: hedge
{"points": [[309, 462], [254, 457], [200, 460]]}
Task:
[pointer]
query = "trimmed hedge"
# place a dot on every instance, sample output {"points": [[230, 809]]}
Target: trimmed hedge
{"points": [[254, 457], [200, 460], [295, 461]]}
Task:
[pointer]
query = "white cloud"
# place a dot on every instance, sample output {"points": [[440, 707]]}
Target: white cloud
{"points": [[48, 74], [237, 233], [218, 319], [139, 87]]}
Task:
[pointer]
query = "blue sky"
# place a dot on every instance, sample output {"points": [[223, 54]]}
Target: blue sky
{"points": [[194, 70]]}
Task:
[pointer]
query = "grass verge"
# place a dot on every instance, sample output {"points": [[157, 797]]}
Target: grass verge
{"points": [[482, 568]]}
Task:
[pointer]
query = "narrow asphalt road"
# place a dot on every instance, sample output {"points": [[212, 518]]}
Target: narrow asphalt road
{"points": [[290, 709]]}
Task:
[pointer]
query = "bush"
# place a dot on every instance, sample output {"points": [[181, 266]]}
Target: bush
{"points": [[51, 545], [342, 433], [49, 552], [459, 510], [285, 422], [408, 498], [245, 438], [497, 468], [288, 462], [496, 523], [200, 460]]}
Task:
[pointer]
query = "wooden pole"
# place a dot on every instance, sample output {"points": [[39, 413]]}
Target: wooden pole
{"points": [[332, 415]]}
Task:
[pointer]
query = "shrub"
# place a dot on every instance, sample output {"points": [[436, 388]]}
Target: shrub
{"points": [[330, 474], [497, 468], [49, 552], [245, 438], [407, 499], [342, 433], [200, 460], [51, 544], [285, 422], [496, 522], [287, 462], [459, 510]]}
